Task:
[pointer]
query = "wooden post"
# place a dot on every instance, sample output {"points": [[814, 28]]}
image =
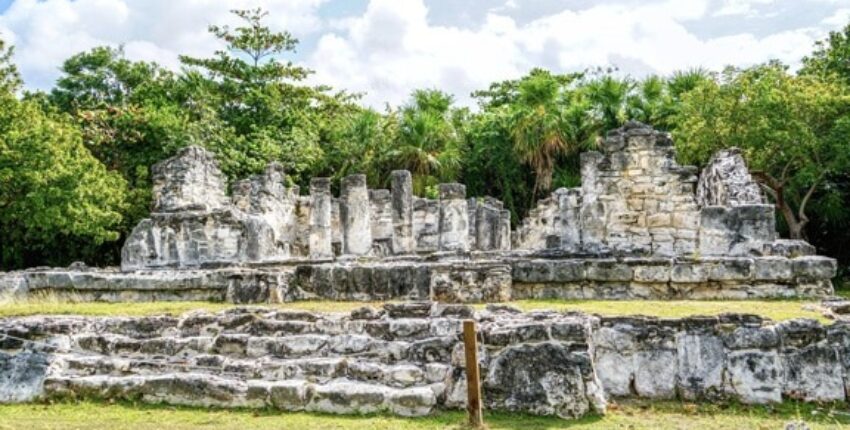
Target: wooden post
{"points": [[473, 385]]}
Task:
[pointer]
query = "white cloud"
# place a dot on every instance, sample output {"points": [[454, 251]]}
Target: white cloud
{"points": [[392, 48], [839, 19], [740, 7]]}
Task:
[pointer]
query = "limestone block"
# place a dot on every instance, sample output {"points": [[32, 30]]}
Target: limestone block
{"points": [[404, 241], [545, 378], [814, 267], [320, 218], [454, 218], [348, 397], [355, 215], [813, 373], [652, 273], [22, 376], [730, 269], [426, 224], [772, 269], [190, 180], [725, 181], [607, 270], [701, 365], [380, 211], [755, 376]]}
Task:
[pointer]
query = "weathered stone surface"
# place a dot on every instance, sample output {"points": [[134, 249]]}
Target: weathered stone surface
{"points": [[454, 218], [404, 242], [191, 180], [408, 359], [725, 181], [355, 215], [21, 375], [544, 379]]}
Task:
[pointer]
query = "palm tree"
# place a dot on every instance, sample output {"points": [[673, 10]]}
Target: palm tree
{"points": [[537, 127], [428, 144]]}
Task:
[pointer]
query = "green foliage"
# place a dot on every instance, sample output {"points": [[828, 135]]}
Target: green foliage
{"points": [[831, 57], [790, 128], [428, 142], [54, 195], [10, 78]]}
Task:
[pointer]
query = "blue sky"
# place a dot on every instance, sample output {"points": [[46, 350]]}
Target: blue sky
{"points": [[387, 48]]}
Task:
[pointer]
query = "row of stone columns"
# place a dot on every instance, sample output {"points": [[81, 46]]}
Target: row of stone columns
{"points": [[355, 217]]}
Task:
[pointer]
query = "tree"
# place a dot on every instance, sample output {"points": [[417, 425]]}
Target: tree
{"points": [[102, 78], [538, 126], [788, 126], [831, 57], [428, 142], [57, 202], [10, 78], [247, 87]]}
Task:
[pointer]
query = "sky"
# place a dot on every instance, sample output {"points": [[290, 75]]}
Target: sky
{"points": [[387, 48]]}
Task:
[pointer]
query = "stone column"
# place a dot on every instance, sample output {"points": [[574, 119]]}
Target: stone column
{"points": [[402, 209], [454, 218], [355, 215], [505, 229], [320, 218]]}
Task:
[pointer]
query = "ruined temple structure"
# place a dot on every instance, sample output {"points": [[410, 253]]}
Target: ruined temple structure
{"points": [[639, 226]]}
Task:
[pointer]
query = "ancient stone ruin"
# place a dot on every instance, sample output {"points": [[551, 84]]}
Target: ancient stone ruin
{"points": [[408, 359], [640, 226]]}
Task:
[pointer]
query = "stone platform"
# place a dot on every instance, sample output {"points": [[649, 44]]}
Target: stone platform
{"points": [[408, 359]]}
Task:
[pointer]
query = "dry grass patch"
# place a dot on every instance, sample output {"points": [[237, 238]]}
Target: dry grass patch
{"points": [[774, 309]]}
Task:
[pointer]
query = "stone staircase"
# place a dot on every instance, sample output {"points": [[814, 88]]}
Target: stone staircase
{"points": [[406, 359]]}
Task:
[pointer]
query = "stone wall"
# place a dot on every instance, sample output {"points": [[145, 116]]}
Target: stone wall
{"points": [[635, 200], [193, 223], [408, 359], [741, 357]]}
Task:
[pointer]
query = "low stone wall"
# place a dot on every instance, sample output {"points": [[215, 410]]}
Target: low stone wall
{"points": [[742, 357], [487, 278], [672, 278], [408, 359], [449, 282]]}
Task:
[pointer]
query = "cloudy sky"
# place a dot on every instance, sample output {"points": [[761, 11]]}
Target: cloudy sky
{"points": [[386, 48]]}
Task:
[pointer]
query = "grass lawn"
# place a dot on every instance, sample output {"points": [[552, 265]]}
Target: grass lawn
{"points": [[632, 415], [773, 309]]}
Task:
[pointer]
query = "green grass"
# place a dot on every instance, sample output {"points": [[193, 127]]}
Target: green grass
{"points": [[630, 415], [774, 309]]}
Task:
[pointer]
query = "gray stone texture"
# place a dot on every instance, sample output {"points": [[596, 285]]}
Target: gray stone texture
{"points": [[725, 181], [405, 359], [408, 359]]}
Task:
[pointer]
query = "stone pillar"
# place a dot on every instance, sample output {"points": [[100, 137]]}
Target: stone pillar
{"points": [[402, 209], [505, 228], [355, 215], [320, 218], [454, 218]]}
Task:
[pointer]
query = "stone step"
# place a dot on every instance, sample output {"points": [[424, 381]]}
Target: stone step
{"points": [[399, 375], [340, 396], [246, 346]]}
